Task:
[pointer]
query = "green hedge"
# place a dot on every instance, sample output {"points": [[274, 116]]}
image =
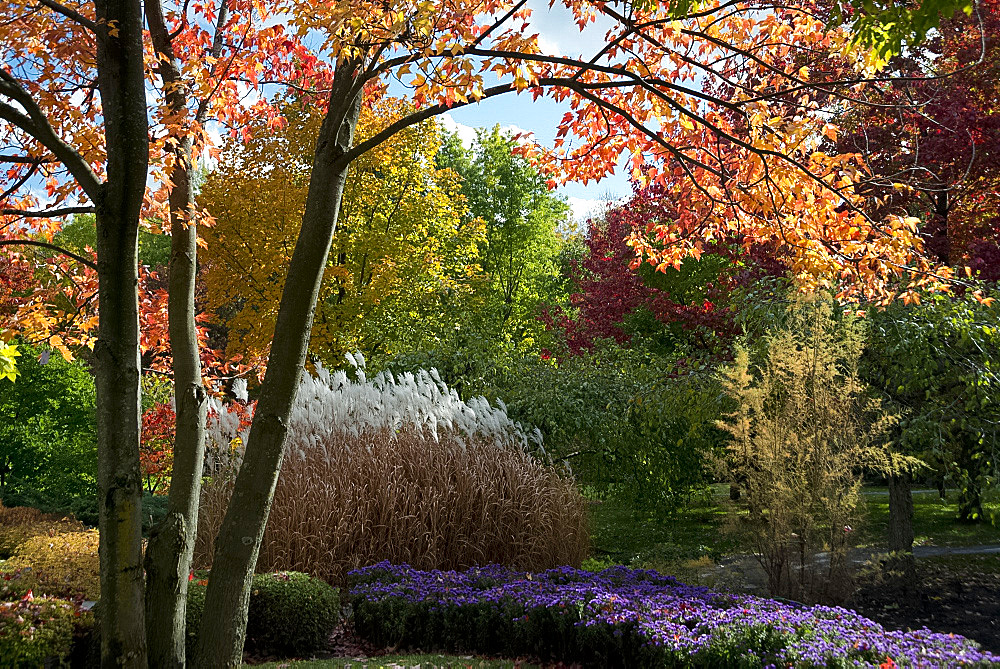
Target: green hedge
{"points": [[290, 614]]}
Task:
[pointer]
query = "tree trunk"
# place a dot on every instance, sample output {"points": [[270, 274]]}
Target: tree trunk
{"points": [[121, 82], [223, 627], [901, 523], [171, 545]]}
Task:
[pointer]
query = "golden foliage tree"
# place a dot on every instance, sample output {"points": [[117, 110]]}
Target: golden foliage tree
{"points": [[401, 250], [804, 429]]}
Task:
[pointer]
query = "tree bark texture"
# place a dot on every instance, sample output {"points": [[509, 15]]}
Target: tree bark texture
{"points": [[901, 567], [223, 627], [168, 556], [121, 83], [901, 512]]}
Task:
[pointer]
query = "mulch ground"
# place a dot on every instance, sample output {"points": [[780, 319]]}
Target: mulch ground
{"points": [[944, 599]]}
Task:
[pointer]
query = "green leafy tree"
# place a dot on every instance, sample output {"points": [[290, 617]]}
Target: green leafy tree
{"points": [[81, 234], [938, 361], [524, 230], [48, 439]]}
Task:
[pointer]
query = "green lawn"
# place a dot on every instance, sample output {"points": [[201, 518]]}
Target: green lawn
{"points": [[688, 542], [681, 544], [934, 520]]}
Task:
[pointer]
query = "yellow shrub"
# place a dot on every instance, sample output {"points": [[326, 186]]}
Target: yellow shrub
{"points": [[63, 565], [20, 523]]}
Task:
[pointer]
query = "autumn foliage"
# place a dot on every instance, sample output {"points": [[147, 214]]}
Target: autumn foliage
{"points": [[701, 298], [156, 447], [933, 140]]}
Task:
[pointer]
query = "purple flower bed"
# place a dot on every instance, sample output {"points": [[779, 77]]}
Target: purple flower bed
{"points": [[629, 618]]}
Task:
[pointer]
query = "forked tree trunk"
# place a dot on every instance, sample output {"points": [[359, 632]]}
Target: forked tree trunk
{"points": [[120, 79], [168, 556], [223, 628]]}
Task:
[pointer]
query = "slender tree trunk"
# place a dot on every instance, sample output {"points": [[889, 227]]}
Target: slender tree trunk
{"points": [[901, 523], [168, 556], [121, 81], [223, 627], [901, 512]]}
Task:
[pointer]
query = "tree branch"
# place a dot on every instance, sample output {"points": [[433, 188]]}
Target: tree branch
{"points": [[48, 213], [70, 14], [37, 126], [45, 245], [9, 158]]}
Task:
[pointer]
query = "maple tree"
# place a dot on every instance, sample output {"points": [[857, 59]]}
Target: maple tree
{"points": [[693, 310], [939, 137], [401, 248], [156, 447], [74, 115], [747, 142]]}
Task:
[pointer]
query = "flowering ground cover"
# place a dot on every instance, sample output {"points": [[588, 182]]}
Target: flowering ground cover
{"points": [[629, 618]]}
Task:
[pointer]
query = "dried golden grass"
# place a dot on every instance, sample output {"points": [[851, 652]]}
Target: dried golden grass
{"points": [[407, 498]]}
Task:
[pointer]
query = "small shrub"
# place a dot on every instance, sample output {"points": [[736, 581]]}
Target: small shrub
{"points": [[65, 565], [290, 614], [37, 632], [16, 583], [18, 524]]}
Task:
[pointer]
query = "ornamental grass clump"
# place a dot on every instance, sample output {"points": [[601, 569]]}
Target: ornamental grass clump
{"points": [[401, 469], [628, 618]]}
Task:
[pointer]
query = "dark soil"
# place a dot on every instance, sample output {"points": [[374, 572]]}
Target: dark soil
{"points": [[950, 598]]}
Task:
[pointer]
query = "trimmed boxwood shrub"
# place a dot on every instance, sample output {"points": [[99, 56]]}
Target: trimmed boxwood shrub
{"points": [[38, 632], [290, 614]]}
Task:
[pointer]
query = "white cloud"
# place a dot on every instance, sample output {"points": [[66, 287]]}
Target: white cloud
{"points": [[559, 34], [584, 208], [465, 133], [548, 46]]}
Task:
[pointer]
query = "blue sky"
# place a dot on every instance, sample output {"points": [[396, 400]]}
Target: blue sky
{"points": [[557, 34]]}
